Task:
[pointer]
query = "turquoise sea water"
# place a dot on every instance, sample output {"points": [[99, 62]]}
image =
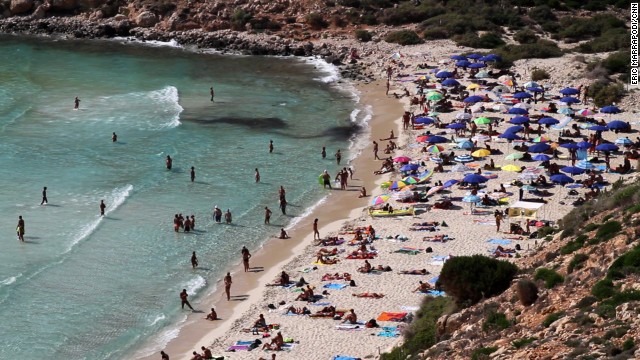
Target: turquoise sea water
{"points": [[85, 287]]}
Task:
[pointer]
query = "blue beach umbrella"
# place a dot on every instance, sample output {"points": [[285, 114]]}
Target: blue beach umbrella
{"points": [[561, 179], [477, 65], [456, 126], [522, 95], [569, 145], [474, 56], [435, 139], [509, 136], [517, 111], [623, 141], [569, 100], [607, 147], [409, 167], [463, 63], [535, 89], [584, 164], [617, 125], [566, 111], [424, 120], [449, 183], [464, 158], [598, 128], [583, 145], [569, 91], [514, 129], [539, 148], [475, 179], [474, 99], [458, 57], [542, 157], [611, 109], [466, 144], [444, 74], [450, 82], [471, 199], [573, 170], [519, 120], [548, 121]]}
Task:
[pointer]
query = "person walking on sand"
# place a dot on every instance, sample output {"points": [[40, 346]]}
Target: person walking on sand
{"points": [[315, 229], [193, 174], [375, 150], [211, 92], [44, 196], [324, 153], [164, 355], [257, 175], [169, 162], [338, 156], [76, 103], [114, 137], [227, 286], [270, 146], [267, 215], [103, 206], [194, 260], [498, 216], [227, 217], [20, 228], [183, 299], [246, 255]]}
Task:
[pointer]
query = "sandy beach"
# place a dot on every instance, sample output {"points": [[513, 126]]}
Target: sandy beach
{"points": [[401, 242]]}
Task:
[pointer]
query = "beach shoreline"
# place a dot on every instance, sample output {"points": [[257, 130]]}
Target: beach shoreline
{"points": [[340, 206]]}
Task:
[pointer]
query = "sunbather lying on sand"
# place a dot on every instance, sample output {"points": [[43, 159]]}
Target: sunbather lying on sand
{"points": [[300, 311], [336, 276], [428, 223], [328, 311], [324, 251], [332, 241], [414, 272], [424, 287], [369, 295], [436, 238], [321, 259]]}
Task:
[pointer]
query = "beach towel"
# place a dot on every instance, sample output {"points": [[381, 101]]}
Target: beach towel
{"points": [[438, 260], [358, 326], [238, 347], [409, 308], [389, 316], [499, 241], [321, 304], [435, 293], [434, 280], [340, 357], [306, 270], [388, 334], [334, 286], [410, 251], [484, 221]]}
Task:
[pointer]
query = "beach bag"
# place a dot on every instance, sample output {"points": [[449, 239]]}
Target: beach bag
{"points": [[371, 324], [352, 283]]}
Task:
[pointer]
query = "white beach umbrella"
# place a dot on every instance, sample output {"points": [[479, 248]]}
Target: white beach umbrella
{"points": [[463, 116]]}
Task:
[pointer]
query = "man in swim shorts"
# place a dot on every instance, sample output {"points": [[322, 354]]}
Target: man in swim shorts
{"points": [[246, 255], [183, 299], [194, 260], [227, 285], [102, 207], [44, 196], [20, 228], [193, 174], [267, 215]]}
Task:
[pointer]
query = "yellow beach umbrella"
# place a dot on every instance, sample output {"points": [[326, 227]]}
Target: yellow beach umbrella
{"points": [[473, 87], [511, 167], [481, 153]]}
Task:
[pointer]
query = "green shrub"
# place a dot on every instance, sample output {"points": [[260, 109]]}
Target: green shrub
{"points": [[572, 246], [545, 231], [610, 40], [605, 311], [239, 19], [591, 227], [527, 292], [620, 298], [628, 345], [421, 333], [316, 21], [470, 278], [616, 333], [525, 36], [617, 63], [363, 35], [603, 289], [264, 23], [586, 302], [634, 209], [542, 49], [608, 229], [519, 343], [576, 262], [487, 40], [542, 13], [575, 29], [495, 321], [628, 263], [403, 37], [551, 318], [408, 14], [483, 353], [550, 277], [435, 34]]}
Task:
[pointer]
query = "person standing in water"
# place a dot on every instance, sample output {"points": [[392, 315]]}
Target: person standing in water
{"points": [[20, 228], [315, 229], [270, 146], [246, 255], [324, 153], [217, 214], [183, 299], [102, 207], [267, 215], [338, 156], [193, 174], [227, 216], [283, 205], [114, 137], [169, 162], [211, 92], [194, 260], [44, 196], [257, 175], [76, 103], [227, 286]]}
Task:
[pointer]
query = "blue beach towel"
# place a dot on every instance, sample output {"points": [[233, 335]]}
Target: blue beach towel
{"points": [[321, 304], [388, 334], [434, 280], [249, 342], [338, 357], [334, 286], [439, 257], [499, 241], [435, 293]]}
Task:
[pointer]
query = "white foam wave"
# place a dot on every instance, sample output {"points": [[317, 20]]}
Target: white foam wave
{"points": [[10, 280], [195, 284], [117, 198], [168, 96], [306, 213], [330, 72], [158, 343], [157, 319], [155, 43]]}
